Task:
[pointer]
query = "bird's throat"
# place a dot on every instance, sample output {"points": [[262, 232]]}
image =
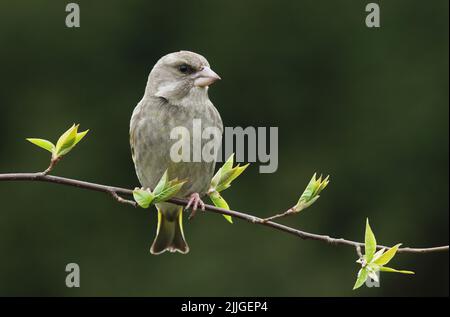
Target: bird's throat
{"points": [[195, 96]]}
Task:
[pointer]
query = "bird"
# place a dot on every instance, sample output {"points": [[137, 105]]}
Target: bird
{"points": [[176, 94]]}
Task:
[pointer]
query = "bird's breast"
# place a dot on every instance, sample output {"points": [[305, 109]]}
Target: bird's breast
{"points": [[153, 135]]}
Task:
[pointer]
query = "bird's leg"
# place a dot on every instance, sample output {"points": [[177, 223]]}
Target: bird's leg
{"points": [[194, 201]]}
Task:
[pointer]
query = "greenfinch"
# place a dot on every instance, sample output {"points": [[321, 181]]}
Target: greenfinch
{"points": [[176, 94]]}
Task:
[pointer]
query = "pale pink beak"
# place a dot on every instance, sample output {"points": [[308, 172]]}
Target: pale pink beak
{"points": [[205, 77]]}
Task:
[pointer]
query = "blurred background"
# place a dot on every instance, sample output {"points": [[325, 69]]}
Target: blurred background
{"points": [[367, 106]]}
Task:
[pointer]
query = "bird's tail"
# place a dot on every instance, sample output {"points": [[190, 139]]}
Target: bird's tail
{"points": [[169, 235]]}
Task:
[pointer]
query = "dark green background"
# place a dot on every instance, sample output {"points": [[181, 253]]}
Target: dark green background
{"points": [[367, 106]]}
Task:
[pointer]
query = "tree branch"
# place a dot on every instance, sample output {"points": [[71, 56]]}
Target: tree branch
{"points": [[116, 191], [280, 215]]}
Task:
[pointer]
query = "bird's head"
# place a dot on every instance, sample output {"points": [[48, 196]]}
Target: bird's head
{"points": [[177, 74]]}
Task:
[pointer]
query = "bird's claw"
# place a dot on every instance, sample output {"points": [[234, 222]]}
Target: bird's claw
{"points": [[194, 201]]}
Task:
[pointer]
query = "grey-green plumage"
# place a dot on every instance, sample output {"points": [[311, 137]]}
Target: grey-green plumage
{"points": [[173, 98]]}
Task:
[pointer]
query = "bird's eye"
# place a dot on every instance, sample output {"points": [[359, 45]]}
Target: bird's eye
{"points": [[184, 68]]}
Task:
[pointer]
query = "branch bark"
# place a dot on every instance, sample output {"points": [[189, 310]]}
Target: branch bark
{"points": [[117, 191]]}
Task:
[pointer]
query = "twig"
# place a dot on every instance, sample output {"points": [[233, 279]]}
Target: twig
{"points": [[288, 212], [123, 200], [358, 252], [182, 202], [53, 163]]}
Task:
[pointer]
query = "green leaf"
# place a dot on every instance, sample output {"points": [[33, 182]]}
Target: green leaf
{"points": [[391, 270], [316, 186], [143, 197], [301, 205], [163, 191], [222, 172], [238, 170], [374, 261], [378, 254], [370, 243], [387, 256], [171, 189], [228, 164], [225, 175], [218, 201], [324, 184], [80, 136], [222, 180], [66, 141], [311, 192], [372, 272], [361, 279], [161, 184], [216, 179], [228, 176], [46, 145]]}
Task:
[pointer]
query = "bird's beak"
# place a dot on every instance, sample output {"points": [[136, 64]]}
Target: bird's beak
{"points": [[205, 77]]}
